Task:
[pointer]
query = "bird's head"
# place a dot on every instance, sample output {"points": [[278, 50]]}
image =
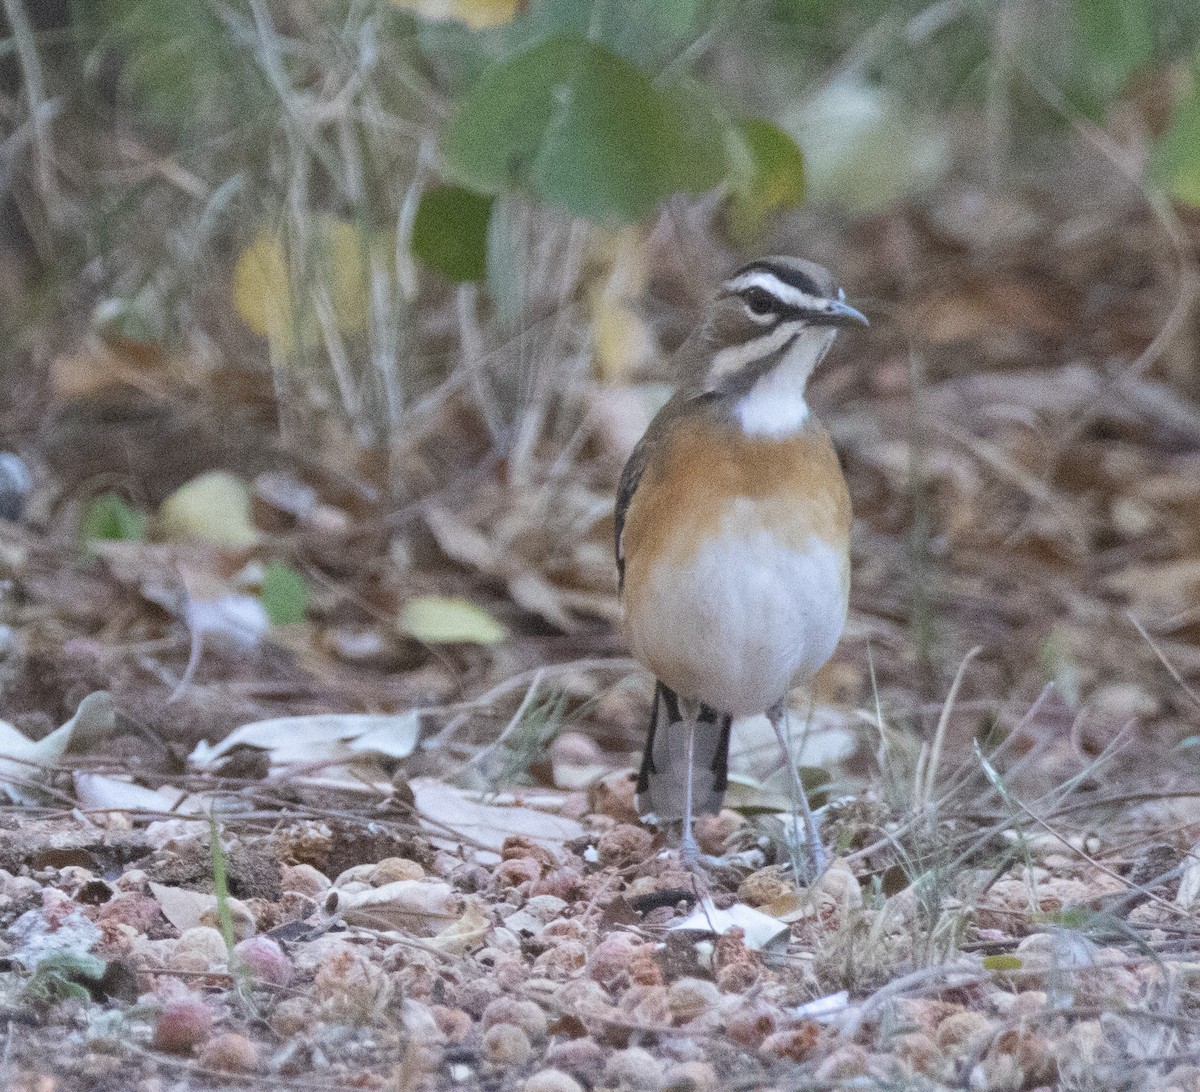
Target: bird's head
{"points": [[769, 312]]}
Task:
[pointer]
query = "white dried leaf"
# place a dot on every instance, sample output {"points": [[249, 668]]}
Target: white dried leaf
{"points": [[822, 1008], [24, 762], [407, 905], [323, 738], [449, 811], [100, 792], [188, 909], [761, 930]]}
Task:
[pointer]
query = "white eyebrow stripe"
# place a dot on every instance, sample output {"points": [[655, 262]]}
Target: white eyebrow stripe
{"points": [[786, 293], [735, 357]]}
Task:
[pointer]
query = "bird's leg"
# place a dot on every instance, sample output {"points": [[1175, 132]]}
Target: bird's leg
{"points": [[814, 850], [689, 848]]}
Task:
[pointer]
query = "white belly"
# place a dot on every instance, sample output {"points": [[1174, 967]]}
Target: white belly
{"points": [[748, 619]]}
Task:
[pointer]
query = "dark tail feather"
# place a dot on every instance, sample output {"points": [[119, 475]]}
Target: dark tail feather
{"points": [[662, 779], [720, 767], [647, 770]]}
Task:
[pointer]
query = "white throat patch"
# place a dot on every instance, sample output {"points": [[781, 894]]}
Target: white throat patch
{"points": [[775, 405]]}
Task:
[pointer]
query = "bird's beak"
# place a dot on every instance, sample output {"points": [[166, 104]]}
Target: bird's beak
{"points": [[839, 313]]}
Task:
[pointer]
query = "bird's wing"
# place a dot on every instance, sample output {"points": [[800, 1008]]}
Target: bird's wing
{"points": [[630, 477], [685, 402]]}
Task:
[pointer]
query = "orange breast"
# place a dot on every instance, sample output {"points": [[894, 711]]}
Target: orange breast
{"points": [[702, 467]]}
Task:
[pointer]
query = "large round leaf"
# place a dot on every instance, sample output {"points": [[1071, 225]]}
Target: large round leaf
{"points": [[584, 130], [1176, 158]]}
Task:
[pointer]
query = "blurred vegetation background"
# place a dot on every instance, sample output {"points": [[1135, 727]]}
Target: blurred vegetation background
{"points": [[433, 255], [350, 192]]}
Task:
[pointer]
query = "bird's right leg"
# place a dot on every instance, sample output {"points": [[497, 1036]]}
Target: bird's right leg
{"points": [[814, 850]]}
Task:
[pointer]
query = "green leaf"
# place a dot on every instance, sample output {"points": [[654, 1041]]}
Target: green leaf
{"points": [[284, 594], [450, 232], [63, 974], [650, 36], [1002, 963], [1117, 36], [1176, 158], [584, 130], [436, 620], [109, 518], [768, 175], [180, 60]]}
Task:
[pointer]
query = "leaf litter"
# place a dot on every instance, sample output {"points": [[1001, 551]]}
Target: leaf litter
{"points": [[422, 784]]}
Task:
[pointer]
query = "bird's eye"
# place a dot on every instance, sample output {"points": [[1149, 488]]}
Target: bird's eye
{"points": [[759, 300]]}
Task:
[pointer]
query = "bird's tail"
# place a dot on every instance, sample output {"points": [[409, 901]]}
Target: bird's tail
{"points": [[662, 780]]}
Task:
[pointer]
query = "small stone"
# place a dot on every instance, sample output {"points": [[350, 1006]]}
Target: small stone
{"points": [[845, 1063], [714, 831], [292, 1016], [303, 879], [506, 1044], [624, 845], [765, 886], [634, 1070], [575, 749], [264, 959], [182, 1026], [751, 1022], [514, 873], [527, 1015], [689, 1077], [690, 998], [204, 942], [552, 1080], [581, 1058], [564, 960], [134, 879], [231, 1052], [392, 869], [454, 1023]]}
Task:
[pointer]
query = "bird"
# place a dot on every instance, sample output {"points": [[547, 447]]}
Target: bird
{"points": [[732, 529]]}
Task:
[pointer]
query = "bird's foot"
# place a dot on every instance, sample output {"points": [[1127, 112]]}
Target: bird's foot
{"points": [[693, 860]]}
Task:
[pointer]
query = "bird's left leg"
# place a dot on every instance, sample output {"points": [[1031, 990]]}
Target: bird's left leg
{"points": [[817, 861], [689, 848]]}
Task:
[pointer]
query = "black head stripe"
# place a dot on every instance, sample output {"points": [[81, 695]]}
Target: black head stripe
{"points": [[797, 278]]}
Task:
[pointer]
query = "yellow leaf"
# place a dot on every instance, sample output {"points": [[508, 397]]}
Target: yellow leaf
{"points": [[623, 339], [484, 13], [215, 507], [438, 620], [475, 13], [262, 292], [345, 265]]}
